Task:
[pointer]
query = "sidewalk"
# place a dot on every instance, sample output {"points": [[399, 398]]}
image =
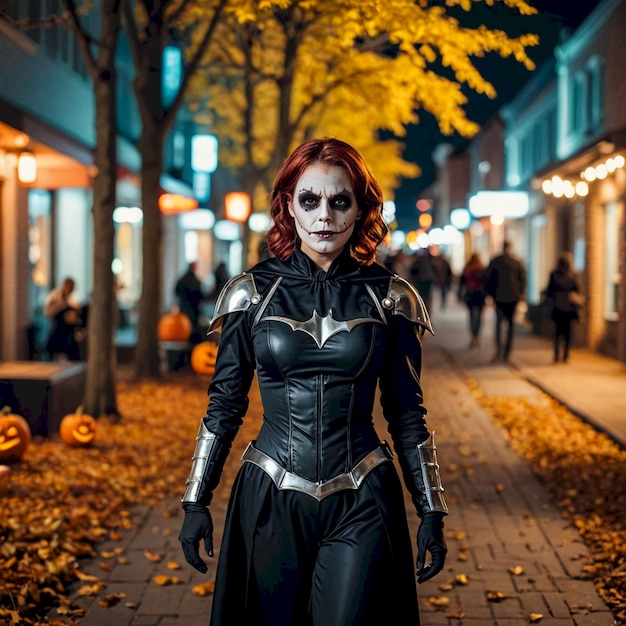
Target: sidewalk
{"points": [[504, 534], [589, 385]]}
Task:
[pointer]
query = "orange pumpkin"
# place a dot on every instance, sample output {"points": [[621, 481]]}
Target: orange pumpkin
{"points": [[78, 429], [15, 436], [203, 358], [174, 326]]}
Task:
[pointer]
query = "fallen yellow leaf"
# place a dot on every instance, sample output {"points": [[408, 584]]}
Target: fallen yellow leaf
{"points": [[495, 596], [152, 556], [82, 576], [163, 581], [204, 589], [111, 600]]}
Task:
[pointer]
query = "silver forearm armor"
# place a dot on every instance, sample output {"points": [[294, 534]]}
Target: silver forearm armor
{"points": [[427, 454], [206, 467]]}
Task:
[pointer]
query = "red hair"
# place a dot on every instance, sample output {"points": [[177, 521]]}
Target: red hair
{"points": [[369, 230]]}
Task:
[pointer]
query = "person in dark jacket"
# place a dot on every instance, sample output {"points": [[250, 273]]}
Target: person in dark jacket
{"points": [[562, 284], [472, 291], [188, 291], [443, 276], [422, 275], [506, 284], [64, 314], [316, 530]]}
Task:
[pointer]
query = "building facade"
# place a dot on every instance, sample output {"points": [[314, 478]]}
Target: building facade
{"points": [[561, 144], [566, 146], [47, 114]]}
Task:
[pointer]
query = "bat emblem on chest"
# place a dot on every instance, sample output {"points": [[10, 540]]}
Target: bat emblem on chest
{"points": [[322, 328]]}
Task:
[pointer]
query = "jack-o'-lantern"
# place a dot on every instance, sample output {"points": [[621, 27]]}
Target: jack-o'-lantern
{"points": [[174, 326], [78, 429], [15, 436], [203, 358]]}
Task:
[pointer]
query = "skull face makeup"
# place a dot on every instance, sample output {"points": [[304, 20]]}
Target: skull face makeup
{"points": [[325, 212]]}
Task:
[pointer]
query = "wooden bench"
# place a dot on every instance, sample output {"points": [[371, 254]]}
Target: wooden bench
{"points": [[42, 392]]}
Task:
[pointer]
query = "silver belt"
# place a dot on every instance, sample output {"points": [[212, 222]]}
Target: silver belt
{"points": [[283, 479]]}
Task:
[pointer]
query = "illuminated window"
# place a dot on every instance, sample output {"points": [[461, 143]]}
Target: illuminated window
{"points": [[613, 218]]}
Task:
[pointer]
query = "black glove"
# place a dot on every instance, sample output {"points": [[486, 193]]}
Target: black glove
{"points": [[197, 525], [430, 539]]}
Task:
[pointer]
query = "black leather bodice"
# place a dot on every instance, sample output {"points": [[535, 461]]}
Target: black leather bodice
{"points": [[320, 343]]}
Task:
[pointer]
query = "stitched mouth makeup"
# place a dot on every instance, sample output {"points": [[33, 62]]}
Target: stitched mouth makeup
{"points": [[328, 234]]}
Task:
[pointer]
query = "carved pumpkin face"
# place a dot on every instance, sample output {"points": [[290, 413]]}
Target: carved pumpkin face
{"points": [[15, 436], [174, 326], [78, 429], [203, 358]]}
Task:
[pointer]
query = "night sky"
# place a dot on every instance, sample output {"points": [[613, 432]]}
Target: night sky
{"points": [[506, 75]]}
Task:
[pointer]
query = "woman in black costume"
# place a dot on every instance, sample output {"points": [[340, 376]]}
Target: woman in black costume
{"points": [[316, 532]]}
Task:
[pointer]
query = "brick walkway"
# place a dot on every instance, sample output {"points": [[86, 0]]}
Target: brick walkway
{"points": [[505, 537]]}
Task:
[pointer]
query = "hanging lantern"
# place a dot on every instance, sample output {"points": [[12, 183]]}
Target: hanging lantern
{"points": [[175, 203], [26, 168], [238, 206]]}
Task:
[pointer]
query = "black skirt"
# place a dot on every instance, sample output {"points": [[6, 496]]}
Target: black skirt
{"points": [[288, 560]]}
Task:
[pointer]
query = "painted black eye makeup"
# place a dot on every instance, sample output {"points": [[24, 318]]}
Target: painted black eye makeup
{"points": [[341, 202], [309, 201]]}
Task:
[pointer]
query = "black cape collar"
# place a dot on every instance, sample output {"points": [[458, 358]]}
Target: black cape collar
{"points": [[300, 267]]}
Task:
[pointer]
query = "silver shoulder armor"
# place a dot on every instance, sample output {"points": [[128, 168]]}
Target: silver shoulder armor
{"points": [[238, 294], [403, 299]]}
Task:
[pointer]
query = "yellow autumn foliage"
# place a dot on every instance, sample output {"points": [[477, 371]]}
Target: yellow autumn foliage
{"points": [[278, 73]]}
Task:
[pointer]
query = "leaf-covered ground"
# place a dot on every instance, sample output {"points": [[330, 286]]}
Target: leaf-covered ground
{"points": [[59, 503], [584, 471]]}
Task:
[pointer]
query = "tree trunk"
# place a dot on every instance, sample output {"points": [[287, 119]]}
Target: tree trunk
{"points": [[147, 44], [100, 397], [148, 90], [147, 362]]}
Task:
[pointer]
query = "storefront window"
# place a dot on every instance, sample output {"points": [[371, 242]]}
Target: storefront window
{"points": [[127, 265], [579, 237], [613, 217], [538, 271], [40, 261]]}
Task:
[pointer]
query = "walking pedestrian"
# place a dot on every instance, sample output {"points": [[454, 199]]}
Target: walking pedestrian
{"points": [[472, 291], [443, 275], [188, 291], [316, 530], [506, 284], [221, 278], [563, 294], [64, 314], [422, 275]]}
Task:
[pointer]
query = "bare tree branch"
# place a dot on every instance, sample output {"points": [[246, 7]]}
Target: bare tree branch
{"points": [[194, 62], [83, 38]]}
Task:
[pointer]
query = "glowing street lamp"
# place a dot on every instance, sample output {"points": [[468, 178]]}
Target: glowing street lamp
{"points": [[238, 206]]}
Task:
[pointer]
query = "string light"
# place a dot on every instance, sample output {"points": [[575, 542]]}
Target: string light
{"points": [[559, 187]]}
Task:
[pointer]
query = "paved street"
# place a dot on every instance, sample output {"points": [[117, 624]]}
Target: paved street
{"points": [[505, 537]]}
